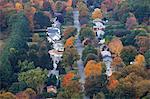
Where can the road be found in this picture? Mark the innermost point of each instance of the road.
(80, 48)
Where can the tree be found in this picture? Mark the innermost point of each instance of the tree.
(91, 56)
(70, 56)
(30, 92)
(25, 65)
(97, 13)
(128, 53)
(93, 68)
(131, 22)
(72, 91)
(7, 95)
(116, 46)
(140, 9)
(143, 43)
(18, 6)
(112, 84)
(69, 42)
(17, 87)
(67, 79)
(139, 59)
(94, 85)
(44, 59)
(89, 49)
(35, 37)
(70, 31)
(86, 32)
(69, 3)
(83, 9)
(147, 58)
(34, 78)
(59, 7)
(130, 38)
(41, 20)
(16, 40)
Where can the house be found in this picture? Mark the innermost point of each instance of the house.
(53, 34)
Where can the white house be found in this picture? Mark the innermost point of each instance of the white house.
(53, 34)
(107, 59)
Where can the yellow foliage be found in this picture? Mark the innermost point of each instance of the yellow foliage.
(139, 59)
(7, 95)
(92, 68)
(97, 13)
(18, 6)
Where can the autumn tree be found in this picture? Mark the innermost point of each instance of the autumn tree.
(7, 95)
(115, 46)
(131, 80)
(131, 22)
(18, 6)
(93, 68)
(35, 37)
(113, 83)
(69, 42)
(67, 79)
(70, 31)
(97, 13)
(71, 87)
(139, 59)
(83, 9)
(34, 78)
(143, 43)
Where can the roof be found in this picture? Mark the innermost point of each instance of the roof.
(55, 52)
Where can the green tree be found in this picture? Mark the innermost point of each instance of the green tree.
(34, 78)
(70, 56)
(88, 50)
(128, 54)
(94, 85)
(17, 87)
(89, 57)
(25, 65)
(19, 27)
(86, 32)
(147, 58)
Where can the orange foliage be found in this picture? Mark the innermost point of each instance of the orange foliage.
(69, 42)
(113, 83)
(116, 46)
(18, 6)
(68, 79)
(92, 68)
(30, 11)
(131, 22)
(97, 13)
(143, 43)
(83, 9)
(139, 59)
(116, 61)
(69, 3)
